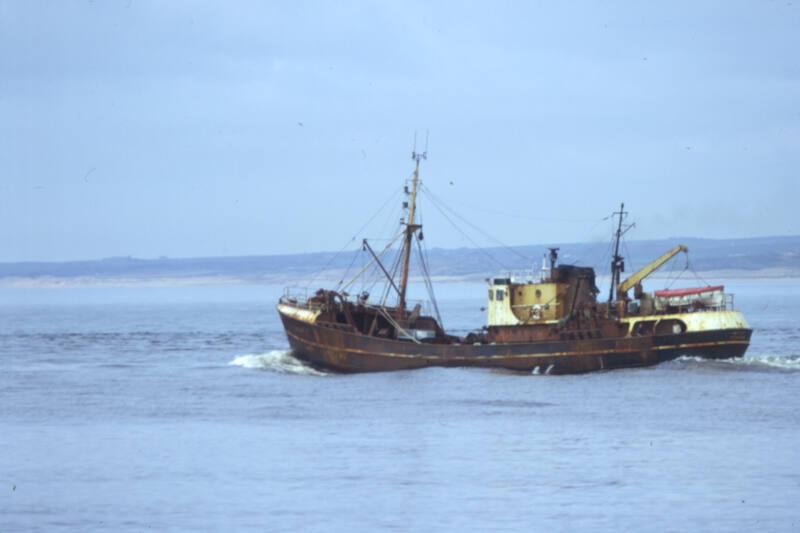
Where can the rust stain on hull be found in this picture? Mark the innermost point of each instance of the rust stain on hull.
(343, 351)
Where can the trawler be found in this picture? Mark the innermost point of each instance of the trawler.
(552, 323)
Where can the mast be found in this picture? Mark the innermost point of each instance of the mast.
(411, 228)
(617, 264)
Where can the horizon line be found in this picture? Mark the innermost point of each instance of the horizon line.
(355, 249)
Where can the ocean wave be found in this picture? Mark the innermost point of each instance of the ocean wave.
(277, 361)
(753, 362)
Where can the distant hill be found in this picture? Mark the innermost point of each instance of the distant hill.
(778, 255)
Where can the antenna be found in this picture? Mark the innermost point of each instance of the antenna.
(416, 156)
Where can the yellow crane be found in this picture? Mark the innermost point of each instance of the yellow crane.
(636, 279)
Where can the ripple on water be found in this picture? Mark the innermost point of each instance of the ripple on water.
(754, 363)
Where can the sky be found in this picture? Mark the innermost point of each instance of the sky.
(180, 129)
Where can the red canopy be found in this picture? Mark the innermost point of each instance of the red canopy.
(688, 292)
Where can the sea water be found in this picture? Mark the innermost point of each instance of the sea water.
(181, 409)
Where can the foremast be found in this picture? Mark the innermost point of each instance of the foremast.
(410, 231)
(617, 262)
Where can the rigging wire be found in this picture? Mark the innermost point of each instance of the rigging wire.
(466, 236)
(436, 199)
(680, 274)
(606, 257)
(696, 275)
(592, 261)
(392, 274)
(670, 281)
(356, 255)
(427, 278)
(628, 254)
(370, 264)
(371, 275)
(525, 217)
(375, 275)
(355, 236)
(580, 260)
(422, 247)
(608, 253)
(388, 227)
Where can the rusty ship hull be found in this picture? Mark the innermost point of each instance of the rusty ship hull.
(333, 347)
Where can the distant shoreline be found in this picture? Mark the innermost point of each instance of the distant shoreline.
(324, 279)
(761, 257)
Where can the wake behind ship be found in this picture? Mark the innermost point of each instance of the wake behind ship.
(548, 322)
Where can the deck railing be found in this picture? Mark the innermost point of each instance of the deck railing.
(523, 276)
(294, 295)
(300, 295)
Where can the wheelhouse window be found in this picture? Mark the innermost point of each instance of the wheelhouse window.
(499, 295)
